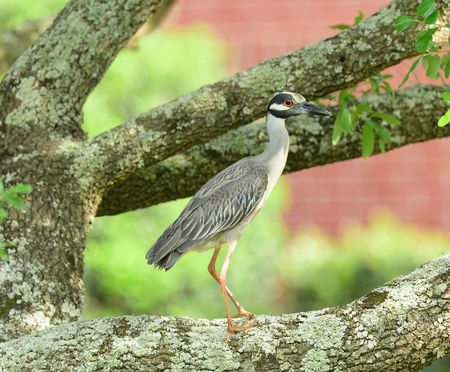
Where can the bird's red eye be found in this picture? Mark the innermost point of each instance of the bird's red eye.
(288, 103)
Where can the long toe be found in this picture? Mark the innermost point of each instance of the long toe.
(232, 328)
(244, 327)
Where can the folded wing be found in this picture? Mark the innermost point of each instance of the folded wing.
(223, 203)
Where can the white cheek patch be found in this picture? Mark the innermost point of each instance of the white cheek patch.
(278, 107)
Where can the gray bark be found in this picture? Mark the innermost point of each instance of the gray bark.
(42, 144)
(401, 326)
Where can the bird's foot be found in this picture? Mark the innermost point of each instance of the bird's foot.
(232, 328)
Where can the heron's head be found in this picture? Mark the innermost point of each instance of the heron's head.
(286, 104)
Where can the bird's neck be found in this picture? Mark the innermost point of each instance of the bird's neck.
(275, 155)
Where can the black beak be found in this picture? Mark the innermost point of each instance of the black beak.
(311, 109)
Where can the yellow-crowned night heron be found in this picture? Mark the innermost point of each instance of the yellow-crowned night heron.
(223, 208)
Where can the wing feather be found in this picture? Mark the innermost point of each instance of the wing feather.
(224, 202)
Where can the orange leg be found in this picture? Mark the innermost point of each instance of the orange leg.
(221, 279)
(212, 271)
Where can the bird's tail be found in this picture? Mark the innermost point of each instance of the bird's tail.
(163, 254)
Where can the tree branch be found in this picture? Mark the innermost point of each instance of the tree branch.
(315, 71)
(15, 40)
(52, 79)
(418, 108)
(401, 326)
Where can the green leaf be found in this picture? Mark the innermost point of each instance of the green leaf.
(3, 254)
(432, 18)
(404, 22)
(444, 119)
(359, 18)
(15, 201)
(2, 187)
(368, 140)
(340, 27)
(446, 97)
(434, 62)
(426, 40)
(374, 83)
(3, 214)
(380, 130)
(387, 118)
(342, 97)
(419, 35)
(387, 76)
(354, 116)
(414, 65)
(387, 87)
(20, 189)
(363, 106)
(426, 8)
(381, 145)
(337, 129)
(346, 120)
(447, 70)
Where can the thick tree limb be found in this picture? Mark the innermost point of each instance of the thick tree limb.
(15, 40)
(401, 326)
(52, 79)
(418, 108)
(315, 71)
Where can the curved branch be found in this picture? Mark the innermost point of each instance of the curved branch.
(401, 326)
(15, 40)
(315, 71)
(50, 82)
(418, 108)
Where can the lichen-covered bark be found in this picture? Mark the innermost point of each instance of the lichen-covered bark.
(315, 71)
(40, 114)
(15, 40)
(401, 326)
(418, 108)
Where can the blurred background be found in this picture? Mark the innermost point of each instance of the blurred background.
(326, 236)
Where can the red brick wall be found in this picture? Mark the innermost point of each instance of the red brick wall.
(411, 182)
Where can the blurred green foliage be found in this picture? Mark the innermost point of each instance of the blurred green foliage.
(166, 64)
(16, 11)
(318, 271)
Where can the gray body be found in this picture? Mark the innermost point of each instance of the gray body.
(223, 208)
